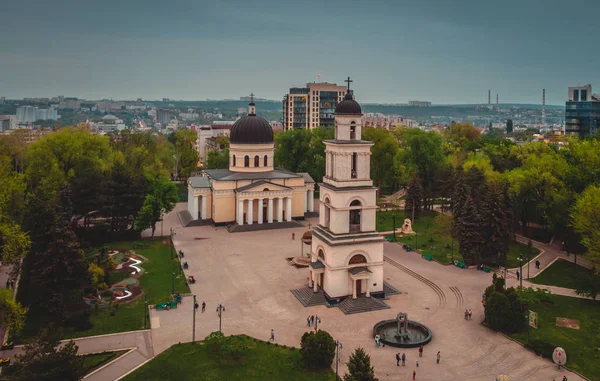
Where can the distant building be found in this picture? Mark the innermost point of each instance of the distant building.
(311, 106)
(8, 122)
(419, 103)
(2, 100)
(385, 121)
(208, 132)
(582, 112)
(109, 123)
(164, 116)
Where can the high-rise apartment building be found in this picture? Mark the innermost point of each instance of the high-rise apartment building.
(164, 117)
(311, 106)
(582, 112)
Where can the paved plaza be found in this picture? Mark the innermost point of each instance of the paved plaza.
(248, 273)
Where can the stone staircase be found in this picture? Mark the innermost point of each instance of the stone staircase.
(308, 298)
(361, 304)
(185, 217)
(388, 289)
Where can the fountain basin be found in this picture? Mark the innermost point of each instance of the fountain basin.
(418, 334)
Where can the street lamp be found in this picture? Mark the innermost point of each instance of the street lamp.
(172, 244)
(338, 346)
(317, 320)
(394, 219)
(194, 322)
(520, 259)
(220, 310)
(453, 249)
(417, 235)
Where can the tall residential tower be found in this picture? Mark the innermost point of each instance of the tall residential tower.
(311, 106)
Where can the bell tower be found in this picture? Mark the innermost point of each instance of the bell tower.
(346, 247)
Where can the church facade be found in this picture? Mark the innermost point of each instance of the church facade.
(251, 190)
(347, 251)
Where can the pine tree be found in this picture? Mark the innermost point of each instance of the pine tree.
(359, 367)
(470, 239)
(496, 226)
(414, 197)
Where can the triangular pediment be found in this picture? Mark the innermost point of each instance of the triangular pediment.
(260, 186)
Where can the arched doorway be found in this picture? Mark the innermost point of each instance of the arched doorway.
(355, 217)
(358, 259)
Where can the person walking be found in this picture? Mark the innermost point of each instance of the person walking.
(438, 357)
(470, 314)
(421, 350)
(308, 321)
(196, 305)
(518, 274)
(403, 359)
(397, 359)
(272, 335)
(414, 375)
(537, 264)
(466, 314)
(312, 320)
(417, 363)
(293, 236)
(203, 306)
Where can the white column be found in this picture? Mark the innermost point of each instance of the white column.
(195, 207)
(249, 212)
(305, 202)
(310, 278)
(367, 281)
(240, 216)
(315, 287)
(203, 208)
(279, 209)
(260, 211)
(270, 211)
(311, 200)
(288, 209)
(353, 289)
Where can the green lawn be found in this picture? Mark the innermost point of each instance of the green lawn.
(581, 345)
(562, 274)
(435, 240)
(515, 249)
(96, 360)
(260, 361)
(156, 283)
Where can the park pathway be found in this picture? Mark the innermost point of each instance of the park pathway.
(138, 342)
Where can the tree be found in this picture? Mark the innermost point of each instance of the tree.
(58, 273)
(317, 349)
(46, 359)
(383, 153)
(589, 286)
(585, 221)
(470, 238)
(359, 367)
(217, 159)
(14, 313)
(185, 142)
(504, 309)
(497, 224)
(414, 197)
(464, 135)
(161, 198)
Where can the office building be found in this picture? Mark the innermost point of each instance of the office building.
(582, 112)
(311, 106)
(8, 122)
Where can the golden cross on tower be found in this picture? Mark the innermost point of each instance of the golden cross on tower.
(348, 81)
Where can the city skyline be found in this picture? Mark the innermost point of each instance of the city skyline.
(395, 51)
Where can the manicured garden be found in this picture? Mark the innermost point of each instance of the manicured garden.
(562, 274)
(580, 344)
(156, 284)
(258, 360)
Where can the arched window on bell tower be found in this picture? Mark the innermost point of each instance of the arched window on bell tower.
(355, 217)
(353, 173)
(353, 130)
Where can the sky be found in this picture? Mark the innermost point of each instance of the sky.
(443, 51)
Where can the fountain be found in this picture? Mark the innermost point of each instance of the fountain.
(402, 333)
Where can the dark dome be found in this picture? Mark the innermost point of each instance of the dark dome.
(348, 106)
(251, 129)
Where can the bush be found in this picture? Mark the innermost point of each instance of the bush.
(317, 350)
(79, 322)
(541, 348)
(504, 309)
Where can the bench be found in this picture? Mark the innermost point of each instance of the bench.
(487, 269)
(428, 257)
(389, 238)
(166, 306)
(461, 265)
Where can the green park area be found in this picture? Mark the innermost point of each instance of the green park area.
(256, 360)
(94, 361)
(562, 274)
(155, 283)
(434, 236)
(579, 336)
